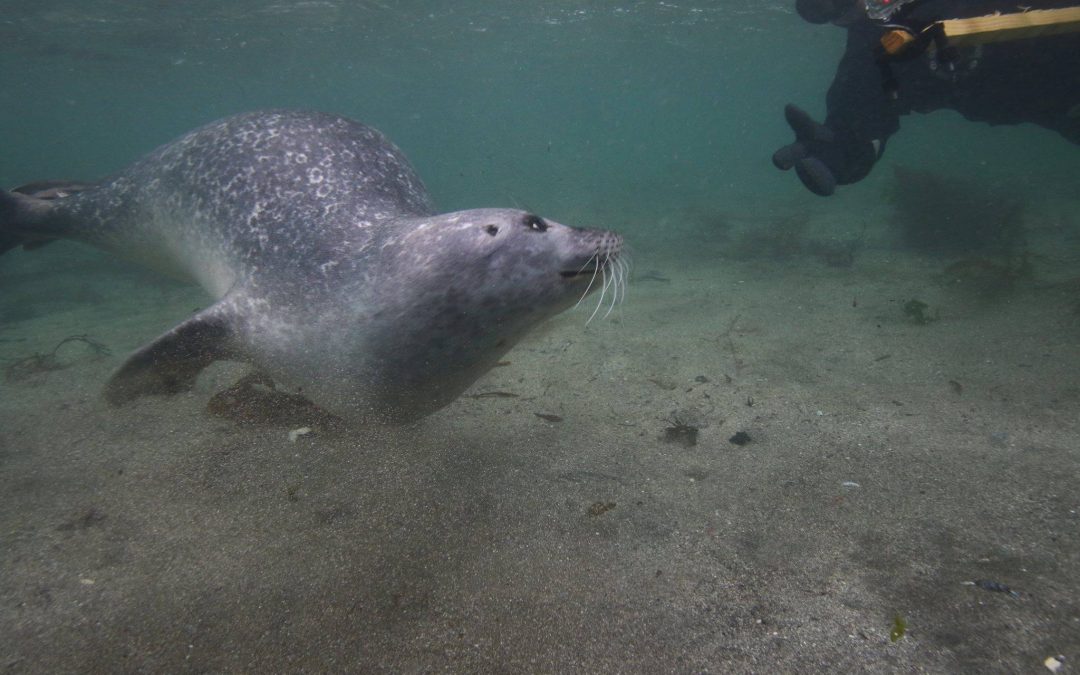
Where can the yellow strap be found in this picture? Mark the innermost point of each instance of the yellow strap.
(1003, 27)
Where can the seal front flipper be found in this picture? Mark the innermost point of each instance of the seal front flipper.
(27, 216)
(20, 216)
(170, 364)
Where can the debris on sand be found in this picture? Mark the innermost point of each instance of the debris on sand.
(899, 628)
(992, 586)
(680, 431)
(23, 369)
(297, 433)
(740, 438)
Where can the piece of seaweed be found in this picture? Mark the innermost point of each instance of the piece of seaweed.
(777, 238)
(918, 312)
(680, 431)
(26, 367)
(943, 214)
(899, 628)
(989, 277)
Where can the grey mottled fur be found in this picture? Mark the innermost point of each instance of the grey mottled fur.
(333, 273)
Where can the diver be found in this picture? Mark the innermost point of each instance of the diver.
(993, 61)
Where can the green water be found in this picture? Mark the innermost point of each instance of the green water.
(613, 112)
(892, 461)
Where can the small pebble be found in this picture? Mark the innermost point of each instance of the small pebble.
(297, 433)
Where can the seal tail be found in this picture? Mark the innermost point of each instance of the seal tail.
(25, 213)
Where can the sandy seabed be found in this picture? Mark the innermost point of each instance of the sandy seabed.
(564, 529)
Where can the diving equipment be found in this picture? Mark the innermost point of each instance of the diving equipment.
(882, 10)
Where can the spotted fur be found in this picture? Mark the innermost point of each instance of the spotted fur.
(331, 270)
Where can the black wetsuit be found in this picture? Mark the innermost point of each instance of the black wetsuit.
(1034, 80)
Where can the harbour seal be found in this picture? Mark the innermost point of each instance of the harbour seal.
(331, 271)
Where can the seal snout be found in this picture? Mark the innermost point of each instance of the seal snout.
(605, 267)
(610, 245)
(597, 250)
(606, 249)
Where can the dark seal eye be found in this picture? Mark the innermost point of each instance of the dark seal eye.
(535, 223)
(491, 229)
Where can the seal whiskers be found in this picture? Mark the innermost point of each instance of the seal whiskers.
(613, 273)
(619, 273)
(592, 278)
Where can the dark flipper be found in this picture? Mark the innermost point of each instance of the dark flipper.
(26, 208)
(170, 364)
(15, 209)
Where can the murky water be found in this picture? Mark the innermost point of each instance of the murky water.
(897, 452)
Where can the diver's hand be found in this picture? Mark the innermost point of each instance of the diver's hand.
(809, 153)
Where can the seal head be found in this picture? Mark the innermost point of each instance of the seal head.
(463, 289)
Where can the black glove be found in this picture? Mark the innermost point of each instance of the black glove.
(822, 157)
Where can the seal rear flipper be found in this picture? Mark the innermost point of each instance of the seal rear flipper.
(170, 364)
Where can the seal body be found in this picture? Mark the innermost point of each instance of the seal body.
(331, 270)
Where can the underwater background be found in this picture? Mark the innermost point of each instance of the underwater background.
(479, 541)
(626, 111)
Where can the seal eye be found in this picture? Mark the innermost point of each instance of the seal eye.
(535, 223)
(491, 229)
